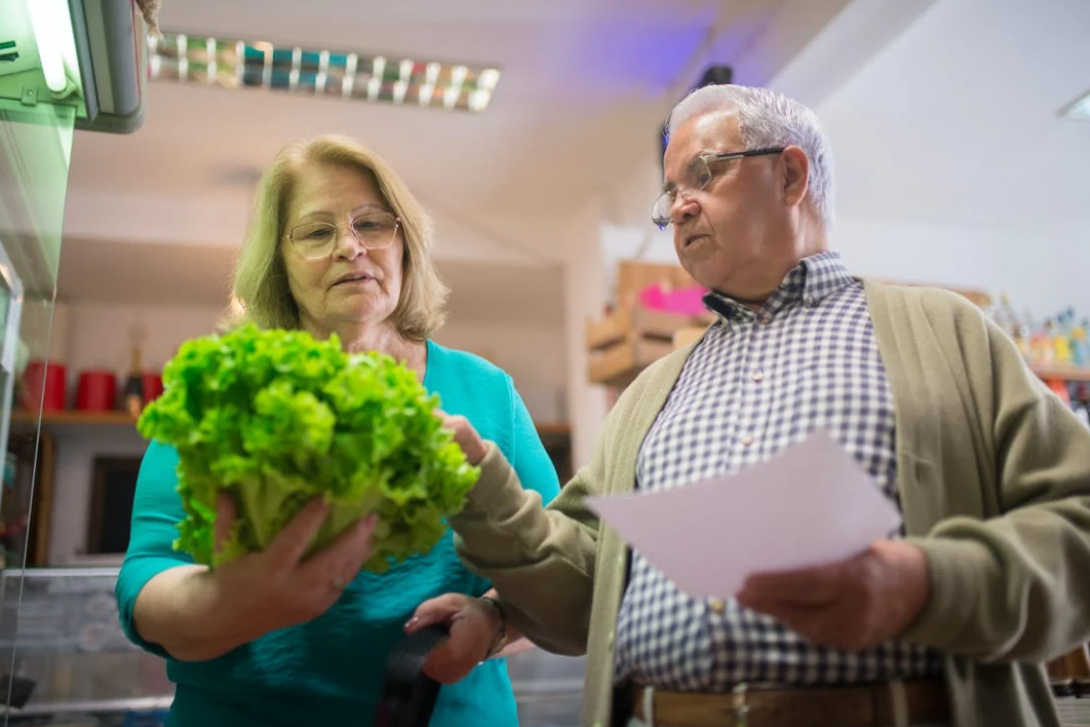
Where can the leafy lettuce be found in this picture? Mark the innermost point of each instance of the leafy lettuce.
(276, 418)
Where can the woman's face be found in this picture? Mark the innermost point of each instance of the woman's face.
(351, 286)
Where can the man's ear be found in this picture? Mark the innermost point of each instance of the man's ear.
(796, 175)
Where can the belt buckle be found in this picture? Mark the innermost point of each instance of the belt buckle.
(741, 709)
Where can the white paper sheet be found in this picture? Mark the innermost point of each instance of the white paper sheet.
(812, 504)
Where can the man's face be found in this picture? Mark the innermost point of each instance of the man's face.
(722, 232)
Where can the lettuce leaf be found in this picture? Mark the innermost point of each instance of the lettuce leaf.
(276, 418)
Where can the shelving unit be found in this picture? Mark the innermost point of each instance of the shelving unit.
(1066, 373)
(82, 418)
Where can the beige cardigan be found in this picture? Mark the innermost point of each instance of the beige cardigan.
(994, 476)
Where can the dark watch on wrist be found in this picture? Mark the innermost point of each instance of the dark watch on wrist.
(501, 635)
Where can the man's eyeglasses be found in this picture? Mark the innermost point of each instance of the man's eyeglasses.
(697, 175)
(316, 240)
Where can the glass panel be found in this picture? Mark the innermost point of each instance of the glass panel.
(36, 134)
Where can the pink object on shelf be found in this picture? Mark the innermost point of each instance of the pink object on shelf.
(684, 301)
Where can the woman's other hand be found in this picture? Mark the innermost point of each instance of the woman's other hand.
(276, 588)
(474, 627)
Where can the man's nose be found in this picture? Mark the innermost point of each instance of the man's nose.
(683, 209)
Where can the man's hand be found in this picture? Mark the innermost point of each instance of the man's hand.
(852, 605)
(465, 435)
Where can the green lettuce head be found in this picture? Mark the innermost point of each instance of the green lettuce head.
(276, 418)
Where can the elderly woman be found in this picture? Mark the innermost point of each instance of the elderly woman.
(338, 245)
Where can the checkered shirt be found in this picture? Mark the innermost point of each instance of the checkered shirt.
(758, 383)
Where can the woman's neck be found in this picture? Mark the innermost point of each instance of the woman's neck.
(381, 338)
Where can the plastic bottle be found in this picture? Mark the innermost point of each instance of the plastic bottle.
(1080, 353)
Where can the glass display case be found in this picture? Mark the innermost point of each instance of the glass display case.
(71, 659)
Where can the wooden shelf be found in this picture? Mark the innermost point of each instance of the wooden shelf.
(1068, 373)
(83, 418)
(553, 428)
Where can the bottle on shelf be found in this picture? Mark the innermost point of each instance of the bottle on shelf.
(1061, 343)
(1042, 351)
(132, 394)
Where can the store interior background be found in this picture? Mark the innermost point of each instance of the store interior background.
(953, 166)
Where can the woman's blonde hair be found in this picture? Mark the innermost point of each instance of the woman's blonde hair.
(260, 290)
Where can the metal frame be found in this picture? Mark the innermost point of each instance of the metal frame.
(10, 346)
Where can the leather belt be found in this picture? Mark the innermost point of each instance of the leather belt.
(921, 701)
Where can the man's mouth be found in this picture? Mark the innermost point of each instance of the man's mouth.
(694, 238)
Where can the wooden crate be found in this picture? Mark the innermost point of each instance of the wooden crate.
(619, 364)
(626, 341)
(635, 319)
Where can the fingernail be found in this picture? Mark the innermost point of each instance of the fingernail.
(411, 622)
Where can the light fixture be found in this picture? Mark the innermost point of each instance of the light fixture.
(1078, 109)
(236, 64)
(55, 40)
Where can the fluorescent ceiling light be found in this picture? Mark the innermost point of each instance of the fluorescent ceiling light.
(235, 64)
(55, 40)
(1078, 109)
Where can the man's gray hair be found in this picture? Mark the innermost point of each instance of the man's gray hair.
(767, 118)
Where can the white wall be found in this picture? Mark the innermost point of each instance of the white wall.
(76, 449)
(585, 293)
(1041, 271)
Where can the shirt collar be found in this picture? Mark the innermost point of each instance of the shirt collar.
(813, 280)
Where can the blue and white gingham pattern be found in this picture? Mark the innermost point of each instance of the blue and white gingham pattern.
(758, 383)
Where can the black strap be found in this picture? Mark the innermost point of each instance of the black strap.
(408, 694)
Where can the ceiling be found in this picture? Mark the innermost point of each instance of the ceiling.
(583, 88)
(955, 122)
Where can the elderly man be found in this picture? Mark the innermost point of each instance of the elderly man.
(947, 624)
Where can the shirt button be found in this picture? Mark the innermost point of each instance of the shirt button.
(717, 606)
(758, 376)
(609, 641)
(810, 301)
(747, 440)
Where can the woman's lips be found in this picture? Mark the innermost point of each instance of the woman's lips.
(354, 280)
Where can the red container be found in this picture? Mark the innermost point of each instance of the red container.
(96, 391)
(153, 387)
(44, 386)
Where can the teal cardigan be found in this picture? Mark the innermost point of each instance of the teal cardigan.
(329, 671)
